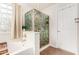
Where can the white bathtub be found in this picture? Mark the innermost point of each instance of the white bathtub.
(18, 47)
(23, 47)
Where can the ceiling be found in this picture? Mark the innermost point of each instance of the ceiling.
(38, 6)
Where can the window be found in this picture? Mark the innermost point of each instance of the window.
(5, 17)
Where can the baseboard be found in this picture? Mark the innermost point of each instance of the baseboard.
(44, 47)
(53, 46)
(75, 53)
(64, 50)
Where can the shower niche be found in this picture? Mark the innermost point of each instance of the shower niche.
(38, 22)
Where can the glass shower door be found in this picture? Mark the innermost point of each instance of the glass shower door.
(41, 22)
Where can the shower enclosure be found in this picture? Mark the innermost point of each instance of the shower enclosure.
(38, 22)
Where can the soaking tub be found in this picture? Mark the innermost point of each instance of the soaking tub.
(23, 47)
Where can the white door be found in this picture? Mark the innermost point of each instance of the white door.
(59, 31)
(67, 29)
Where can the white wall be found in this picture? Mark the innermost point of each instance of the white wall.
(52, 12)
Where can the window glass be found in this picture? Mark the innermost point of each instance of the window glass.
(5, 17)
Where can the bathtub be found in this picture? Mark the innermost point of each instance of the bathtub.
(21, 48)
(18, 48)
(26, 47)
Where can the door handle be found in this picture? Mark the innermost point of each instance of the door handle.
(76, 20)
(58, 31)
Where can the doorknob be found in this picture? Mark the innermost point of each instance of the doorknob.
(76, 20)
(58, 31)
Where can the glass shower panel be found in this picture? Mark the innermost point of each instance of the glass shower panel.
(28, 21)
(37, 21)
(41, 24)
(44, 34)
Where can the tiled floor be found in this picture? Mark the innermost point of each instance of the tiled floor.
(55, 51)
